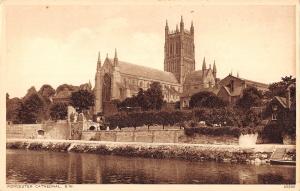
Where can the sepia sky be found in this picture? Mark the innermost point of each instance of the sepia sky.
(56, 44)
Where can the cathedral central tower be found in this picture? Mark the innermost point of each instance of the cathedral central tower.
(179, 51)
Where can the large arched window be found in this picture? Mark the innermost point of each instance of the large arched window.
(106, 91)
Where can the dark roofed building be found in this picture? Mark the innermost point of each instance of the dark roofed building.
(64, 92)
(282, 105)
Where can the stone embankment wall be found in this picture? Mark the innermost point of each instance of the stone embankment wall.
(257, 154)
(157, 136)
(50, 130)
(65, 131)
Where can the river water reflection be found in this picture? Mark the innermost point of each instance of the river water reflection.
(25, 166)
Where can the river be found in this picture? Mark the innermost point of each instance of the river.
(24, 166)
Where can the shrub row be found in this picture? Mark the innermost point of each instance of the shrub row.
(224, 116)
(136, 119)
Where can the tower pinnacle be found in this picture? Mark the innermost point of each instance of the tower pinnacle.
(192, 28)
(181, 24)
(116, 62)
(116, 56)
(99, 61)
(215, 69)
(166, 28)
(203, 64)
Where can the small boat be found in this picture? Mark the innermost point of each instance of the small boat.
(282, 162)
(280, 157)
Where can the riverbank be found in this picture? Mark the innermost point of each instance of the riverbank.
(254, 154)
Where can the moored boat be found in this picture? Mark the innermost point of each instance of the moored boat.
(283, 162)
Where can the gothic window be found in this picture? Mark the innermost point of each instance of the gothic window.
(106, 91)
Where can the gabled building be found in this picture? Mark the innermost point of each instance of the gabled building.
(231, 87)
(282, 105)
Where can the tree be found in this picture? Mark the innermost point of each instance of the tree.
(251, 97)
(12, 109)
(46, 91)
(82, 100)
(142, 100)
(129, 102)
(58, 111)
(206, 99)
(154, 96)
(279, 88)
(151, 99)
(30, 109)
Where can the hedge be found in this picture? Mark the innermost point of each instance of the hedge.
(224, 116)
(136, 119)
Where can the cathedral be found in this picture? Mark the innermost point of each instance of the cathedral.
(117, 80)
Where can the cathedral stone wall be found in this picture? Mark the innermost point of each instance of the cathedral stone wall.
(118, 80)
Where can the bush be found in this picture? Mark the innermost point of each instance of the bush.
(206, 99)
(58, 111)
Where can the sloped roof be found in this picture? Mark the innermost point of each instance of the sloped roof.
(282, 101)
(249, 82)
(146, 72)
(65, 93)
(236, 92)
(195, 76)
